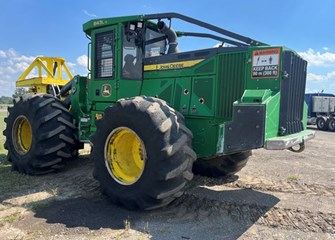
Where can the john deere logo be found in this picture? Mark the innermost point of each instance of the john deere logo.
(106, 90)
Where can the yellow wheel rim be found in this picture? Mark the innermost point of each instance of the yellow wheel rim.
(22, 135)
(125, 156)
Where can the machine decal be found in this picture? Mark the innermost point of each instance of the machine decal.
(106, 90)
(265, 63)
(172, 65)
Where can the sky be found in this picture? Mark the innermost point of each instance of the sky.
(31, 28)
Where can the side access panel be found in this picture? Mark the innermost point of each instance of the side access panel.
(202, 97)
(161, 88)
(183, 94)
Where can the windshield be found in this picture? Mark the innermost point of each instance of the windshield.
(155, 43)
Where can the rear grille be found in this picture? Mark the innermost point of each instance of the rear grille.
(292, 93)
(231, 82)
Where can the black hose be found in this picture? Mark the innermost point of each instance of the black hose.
(65, 90)
(171, 36)
(67, 102)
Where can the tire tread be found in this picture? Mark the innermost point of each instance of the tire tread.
(173, 149)
(53, 132)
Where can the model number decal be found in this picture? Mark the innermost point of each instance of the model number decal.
(99, 22)
(265, 63)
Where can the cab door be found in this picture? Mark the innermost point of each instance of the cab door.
(131, 64)
(103, 87)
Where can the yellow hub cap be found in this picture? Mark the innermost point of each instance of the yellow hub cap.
(22, 135)
(125, 155)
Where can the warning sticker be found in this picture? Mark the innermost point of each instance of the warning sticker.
(265, 63)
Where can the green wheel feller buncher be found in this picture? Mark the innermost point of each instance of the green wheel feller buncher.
(153, 113)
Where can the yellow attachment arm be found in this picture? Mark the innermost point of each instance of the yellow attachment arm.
(50, 71)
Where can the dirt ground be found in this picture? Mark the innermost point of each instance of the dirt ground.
(278, 195)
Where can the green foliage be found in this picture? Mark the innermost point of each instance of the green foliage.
(6, 100)
(19, 92)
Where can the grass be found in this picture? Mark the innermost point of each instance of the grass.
(293, 178)
(9, 219)
(10, 181)
(126, 224)
(2, 127)
(35, 206)
(13, 183)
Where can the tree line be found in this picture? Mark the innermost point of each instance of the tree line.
(9, 100)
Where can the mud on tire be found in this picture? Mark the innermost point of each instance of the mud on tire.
(39, 134)
(168, 157)
(221, 166)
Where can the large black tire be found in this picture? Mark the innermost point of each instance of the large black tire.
(321, 123)
(39, 134)
(331, 124)
(165, 152)
(221, 166)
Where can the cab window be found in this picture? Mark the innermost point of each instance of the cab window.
(155, 43)
(132, 67)
(104, 54)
